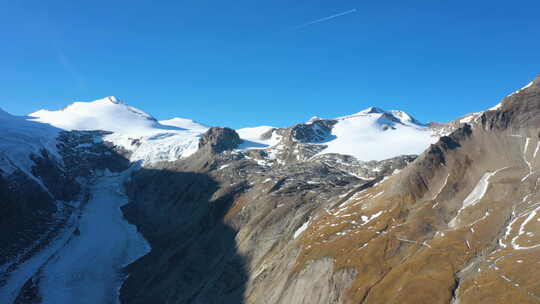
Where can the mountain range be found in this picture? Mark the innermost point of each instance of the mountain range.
(103, 203)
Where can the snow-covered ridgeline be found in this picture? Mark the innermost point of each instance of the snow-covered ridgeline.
(147, 139)
(523, 88)
(371, 135)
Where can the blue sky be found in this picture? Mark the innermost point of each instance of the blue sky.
(246, 63)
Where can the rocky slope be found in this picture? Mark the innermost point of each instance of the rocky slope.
(456, 225)
(52, 165)
(295, 215)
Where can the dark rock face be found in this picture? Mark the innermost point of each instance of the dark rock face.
(315, 132)
(83, 152)
(26, 211)
(391, 118)
(193, 257)
(29, 204)
(60, 183)
(218, 139)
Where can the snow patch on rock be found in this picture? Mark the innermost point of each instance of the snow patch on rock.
(301, 229)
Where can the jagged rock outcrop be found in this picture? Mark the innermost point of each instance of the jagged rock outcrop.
(217, 140)
(316, 131)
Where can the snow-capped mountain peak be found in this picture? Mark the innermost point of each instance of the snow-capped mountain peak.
(133, 129)
(376, 134)
(396, 116)
(371, 110)
(113, 99)
(371, 134)
(108, 114)
(312, 119)
(404, 117)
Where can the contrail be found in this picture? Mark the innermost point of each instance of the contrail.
(326, 18)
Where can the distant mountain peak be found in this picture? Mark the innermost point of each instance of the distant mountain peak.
(113, 99)
(312, 119)
(372, 110)
(393, 115)
(109, 114)
(405, 117)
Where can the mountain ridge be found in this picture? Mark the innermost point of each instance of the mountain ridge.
(274, 215)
